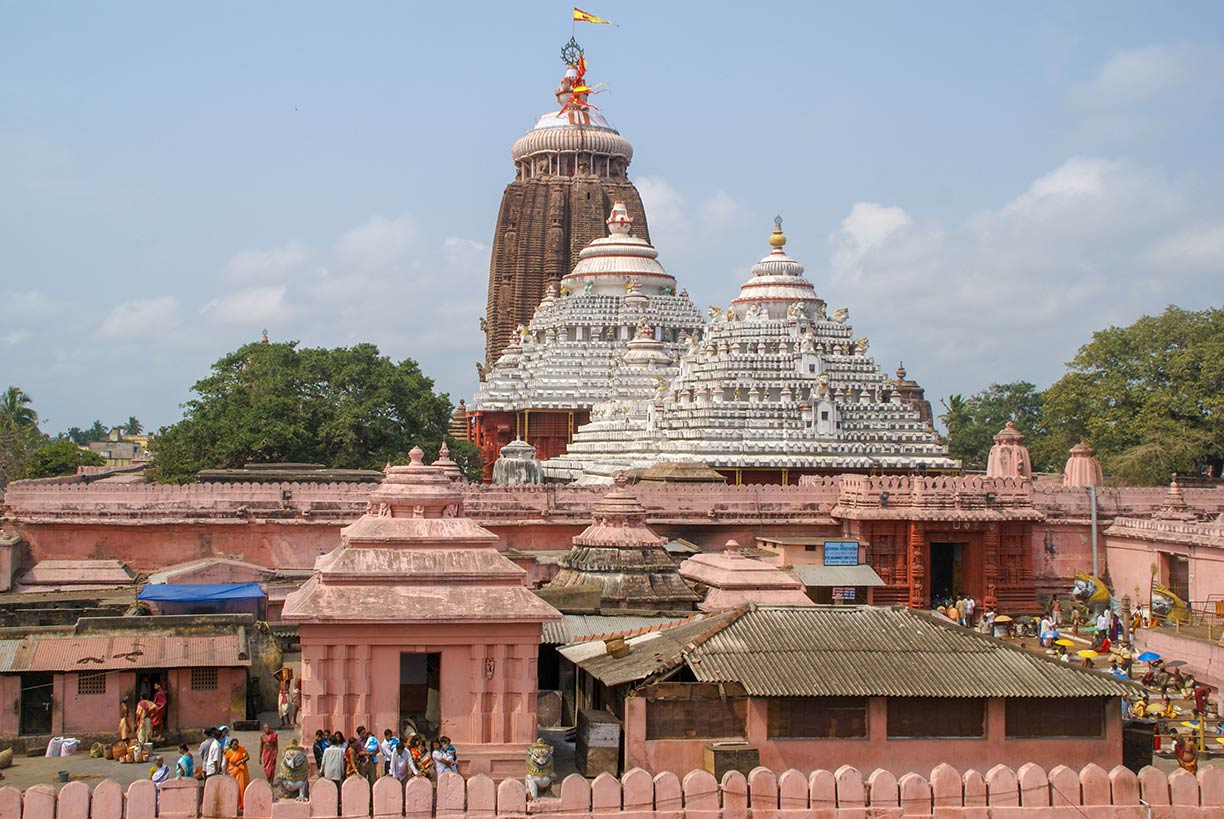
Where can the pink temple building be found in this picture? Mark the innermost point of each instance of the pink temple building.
(417, 616)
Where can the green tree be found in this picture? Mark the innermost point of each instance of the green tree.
(467, 456)
(1148, 397)
(19, 434)
(973, 422)
(347, 408)
(60, 458)
(132, 426)
(97, 432)
(15, 409)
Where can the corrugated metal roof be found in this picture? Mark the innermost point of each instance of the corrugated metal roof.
(893, 652)
(15, 655)
(838, 576)
(817, 651)
(649, 653)
(575, 627)
(135, 651)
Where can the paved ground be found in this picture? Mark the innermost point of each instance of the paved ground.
(27, 771)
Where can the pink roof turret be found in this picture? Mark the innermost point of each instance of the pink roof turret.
(733, 580)
(625, 558)
(1009, 457)
(1082, 468)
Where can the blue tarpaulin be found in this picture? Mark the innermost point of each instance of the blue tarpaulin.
(200, 592)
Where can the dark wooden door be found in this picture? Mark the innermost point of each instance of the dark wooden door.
(36, 703)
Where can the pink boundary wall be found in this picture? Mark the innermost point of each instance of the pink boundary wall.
(1061, 793)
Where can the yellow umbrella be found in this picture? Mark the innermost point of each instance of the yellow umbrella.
(1002, 618)
(1064, 642)
(1087, 652)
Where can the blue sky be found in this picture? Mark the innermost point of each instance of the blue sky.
(982, 184)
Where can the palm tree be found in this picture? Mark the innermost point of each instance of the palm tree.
(15, 409)
(133, 426)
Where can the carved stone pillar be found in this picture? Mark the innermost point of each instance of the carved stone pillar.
(990, 600)
(917, 567)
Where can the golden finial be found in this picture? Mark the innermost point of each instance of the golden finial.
(778, 239)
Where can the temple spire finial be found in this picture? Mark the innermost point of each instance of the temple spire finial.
(777, 239)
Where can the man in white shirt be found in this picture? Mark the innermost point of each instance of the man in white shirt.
(212, 762)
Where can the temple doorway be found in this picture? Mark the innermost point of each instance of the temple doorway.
(419, 684)
(947, 578)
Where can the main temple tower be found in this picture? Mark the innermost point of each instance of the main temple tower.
(569, 170)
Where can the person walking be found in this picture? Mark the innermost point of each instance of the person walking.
(236, 759)
(269, 746)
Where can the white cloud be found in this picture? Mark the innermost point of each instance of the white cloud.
(378, 243)
(251, 307)
(13, 338)
(1137, 75)
(1148, 91)
(140, 318)
(1011, 292)
(1196, 249)
(1075, 180)
(266, 265)
(667, 209)
(721, 210)
(26, 304)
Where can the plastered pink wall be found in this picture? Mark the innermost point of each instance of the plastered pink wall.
(1029, 792)
(899, 756)
(487, 687)
(73, 713)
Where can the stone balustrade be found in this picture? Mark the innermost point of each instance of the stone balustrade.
(1028, 793)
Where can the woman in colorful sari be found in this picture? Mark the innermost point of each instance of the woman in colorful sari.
(236, 759)
(269, 745)
(421, 759)
(352, 758)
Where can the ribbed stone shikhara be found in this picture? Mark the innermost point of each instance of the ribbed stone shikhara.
(611, 332)
(569, 169)
(774, 386)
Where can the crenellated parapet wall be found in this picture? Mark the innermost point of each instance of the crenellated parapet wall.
(969, 497)
(1071, 503)
(1030, 791)
(71, 500)
(76, 499)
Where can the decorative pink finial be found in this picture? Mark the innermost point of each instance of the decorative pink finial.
(620, 480)
(443, 451)
(732, 547)
(417, 456)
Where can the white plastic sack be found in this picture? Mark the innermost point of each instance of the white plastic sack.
(69, 746)
(53, 747)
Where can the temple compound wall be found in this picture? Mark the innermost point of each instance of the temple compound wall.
(288, 525)
(1029, 792)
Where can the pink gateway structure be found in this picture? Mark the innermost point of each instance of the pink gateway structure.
(416, 616)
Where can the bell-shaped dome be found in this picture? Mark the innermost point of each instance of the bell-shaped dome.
(616, 262)
(777, 280)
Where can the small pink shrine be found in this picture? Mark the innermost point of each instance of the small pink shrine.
(1009, 457)
(1082, 468)
(417, 616)
(734, 580)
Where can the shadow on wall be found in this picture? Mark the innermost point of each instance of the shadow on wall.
(639, 795)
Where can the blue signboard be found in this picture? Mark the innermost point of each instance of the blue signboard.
(841, 552)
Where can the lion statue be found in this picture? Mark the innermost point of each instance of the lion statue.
(292, 773)
(1093, 593)
(841, 314)
(1166, 605)
(540, 769)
